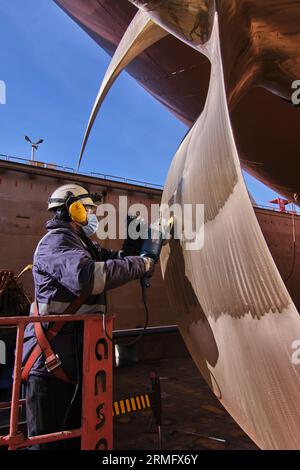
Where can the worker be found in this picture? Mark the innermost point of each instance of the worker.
(71, 275)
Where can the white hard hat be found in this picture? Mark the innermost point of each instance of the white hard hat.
(60, 195)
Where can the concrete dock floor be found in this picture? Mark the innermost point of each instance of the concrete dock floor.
(191, 413)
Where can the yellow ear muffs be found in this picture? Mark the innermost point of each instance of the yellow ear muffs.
(78, 212)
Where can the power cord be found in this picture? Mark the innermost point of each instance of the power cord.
(141, 334)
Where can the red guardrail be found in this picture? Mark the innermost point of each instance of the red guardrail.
(96, 430)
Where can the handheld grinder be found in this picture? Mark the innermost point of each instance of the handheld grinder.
(152, 245)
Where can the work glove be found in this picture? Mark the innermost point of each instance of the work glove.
(149, 266)
(133, 247)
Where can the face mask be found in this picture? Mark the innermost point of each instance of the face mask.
(92, 225)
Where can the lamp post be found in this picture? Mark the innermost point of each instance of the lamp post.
(34, 146)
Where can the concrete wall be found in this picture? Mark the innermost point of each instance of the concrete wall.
(24, 190)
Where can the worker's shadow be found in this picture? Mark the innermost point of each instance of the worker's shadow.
(189, 315)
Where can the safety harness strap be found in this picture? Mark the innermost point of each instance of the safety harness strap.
(52, 362)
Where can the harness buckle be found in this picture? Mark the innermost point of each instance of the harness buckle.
(52, 362)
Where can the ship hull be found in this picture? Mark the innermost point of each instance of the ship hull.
(265, 126)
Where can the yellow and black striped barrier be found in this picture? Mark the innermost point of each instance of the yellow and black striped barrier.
(141, 402)
(132, 404)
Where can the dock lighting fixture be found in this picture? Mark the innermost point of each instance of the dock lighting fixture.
(34, 146)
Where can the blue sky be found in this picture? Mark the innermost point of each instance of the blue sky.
(52, 70)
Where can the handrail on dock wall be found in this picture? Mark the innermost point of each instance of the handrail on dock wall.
(53, 166)
(295, 210)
